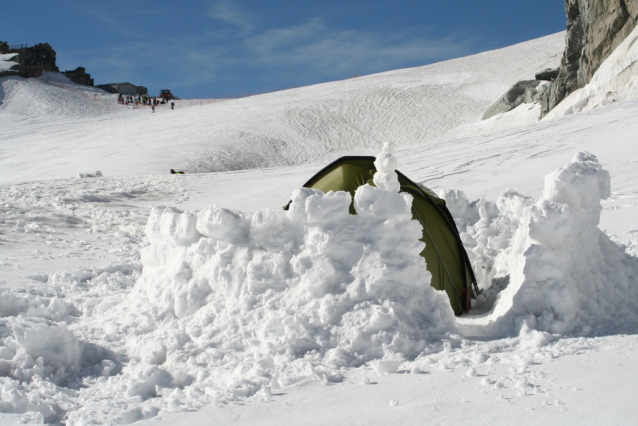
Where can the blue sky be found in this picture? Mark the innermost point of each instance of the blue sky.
(212, 48)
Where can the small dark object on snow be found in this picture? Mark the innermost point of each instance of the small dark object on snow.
(173, 172)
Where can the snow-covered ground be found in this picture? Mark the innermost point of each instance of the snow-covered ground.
(6, 61)
(133, 295)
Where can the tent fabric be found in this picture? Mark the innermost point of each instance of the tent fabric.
(445, 256)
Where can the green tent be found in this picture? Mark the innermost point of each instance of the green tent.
(444, 254)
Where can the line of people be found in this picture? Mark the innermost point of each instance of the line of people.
(129, 99)
(142, 100)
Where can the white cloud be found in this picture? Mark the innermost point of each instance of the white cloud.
(319, 49)
(229, 13)
(315, 49)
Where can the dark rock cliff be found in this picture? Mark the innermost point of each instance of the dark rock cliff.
(79, 76)
(38, 59)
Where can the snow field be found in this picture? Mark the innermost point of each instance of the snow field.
(309, 124)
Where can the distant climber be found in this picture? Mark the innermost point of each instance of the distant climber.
(153, 106)
(173, 172)
(172, 105)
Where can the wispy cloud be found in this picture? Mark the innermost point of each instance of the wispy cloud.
(246, 53)
(229, 13)
(319, 49)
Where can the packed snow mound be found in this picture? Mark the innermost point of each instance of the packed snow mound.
(53, 95)
(565, 275)
(614, 81)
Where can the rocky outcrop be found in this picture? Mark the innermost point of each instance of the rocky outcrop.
(594, 29)
(548, 74)
(523, 92)
(79, 76)
(38, 59)
(33, 61)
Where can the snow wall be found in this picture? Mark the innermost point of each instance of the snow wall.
(561, 273)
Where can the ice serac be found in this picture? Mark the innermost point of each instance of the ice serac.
(594, 29)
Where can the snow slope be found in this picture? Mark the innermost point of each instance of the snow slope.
(418, 105)
(145, 297)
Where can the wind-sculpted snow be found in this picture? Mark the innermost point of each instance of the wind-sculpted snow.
(565, 275)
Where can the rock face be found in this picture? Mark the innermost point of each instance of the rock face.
(594, 29)
(79, 76)
(37, 59)
(526, 91)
